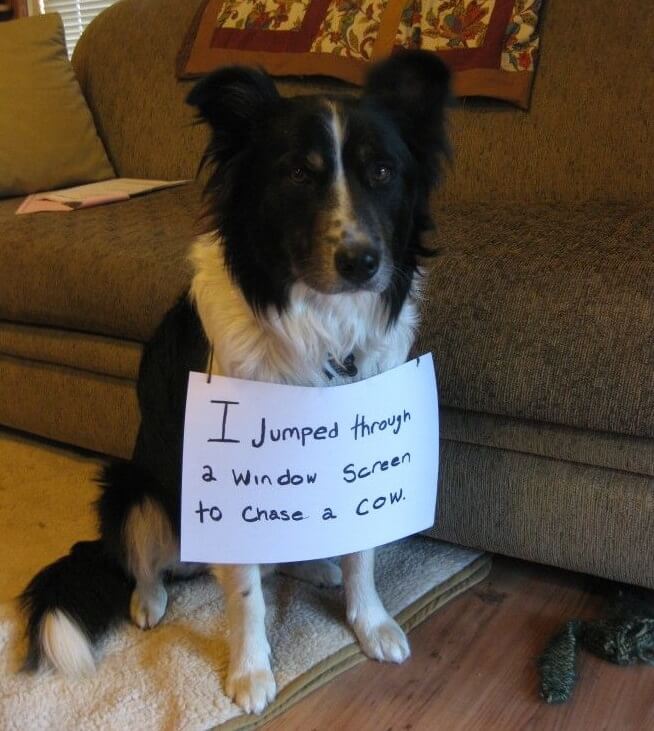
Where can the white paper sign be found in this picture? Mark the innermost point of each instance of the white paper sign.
(276, 473)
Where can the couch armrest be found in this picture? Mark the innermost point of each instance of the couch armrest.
(125, 62)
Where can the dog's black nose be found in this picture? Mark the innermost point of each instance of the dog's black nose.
(355, 263)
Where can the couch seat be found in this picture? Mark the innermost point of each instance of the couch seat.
(551, 319)
(110, 270)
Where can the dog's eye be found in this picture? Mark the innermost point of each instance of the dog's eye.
(299, 175)
(380, 173)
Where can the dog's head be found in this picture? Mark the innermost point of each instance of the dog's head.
(328, 190)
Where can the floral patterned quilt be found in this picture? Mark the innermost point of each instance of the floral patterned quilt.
(490, 45)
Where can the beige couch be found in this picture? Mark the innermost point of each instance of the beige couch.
(539, 310)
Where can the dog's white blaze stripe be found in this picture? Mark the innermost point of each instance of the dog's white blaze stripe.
(65, 645)
(344, 206)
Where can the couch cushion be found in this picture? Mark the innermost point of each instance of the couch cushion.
(111, 270)
(83, 351)
(546, 313)
(78, 407)
(552, 441)
(583, 518)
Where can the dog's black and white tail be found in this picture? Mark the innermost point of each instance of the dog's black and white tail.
(70, 604)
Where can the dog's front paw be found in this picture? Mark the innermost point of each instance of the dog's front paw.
(147, 608)
(383, 640)
(253, 690)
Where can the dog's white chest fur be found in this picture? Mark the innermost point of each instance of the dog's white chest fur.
(295, 347)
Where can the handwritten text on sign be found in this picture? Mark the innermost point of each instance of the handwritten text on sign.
(276, 473)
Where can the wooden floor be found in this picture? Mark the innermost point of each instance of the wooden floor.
(473, 667)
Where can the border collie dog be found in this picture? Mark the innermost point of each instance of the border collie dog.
(307, 275)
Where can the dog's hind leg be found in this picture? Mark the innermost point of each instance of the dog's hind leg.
(150, 549)
(320, 572)
(250, 681)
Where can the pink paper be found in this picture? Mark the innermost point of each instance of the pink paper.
(113, 190)
(35, 204)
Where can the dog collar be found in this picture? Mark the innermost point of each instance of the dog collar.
(345, 369)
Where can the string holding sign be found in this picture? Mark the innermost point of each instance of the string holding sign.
(275, 473)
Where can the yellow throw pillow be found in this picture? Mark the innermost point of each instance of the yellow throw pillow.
(47, 135)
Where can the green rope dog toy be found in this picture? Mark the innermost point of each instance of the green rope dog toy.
(624, 637)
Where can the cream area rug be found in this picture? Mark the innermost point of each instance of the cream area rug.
(171, 677)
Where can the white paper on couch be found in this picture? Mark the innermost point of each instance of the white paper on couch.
(274, 473)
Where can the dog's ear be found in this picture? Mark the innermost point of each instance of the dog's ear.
(233, 101)
(414, 87)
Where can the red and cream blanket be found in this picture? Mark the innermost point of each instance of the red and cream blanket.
(490, 45)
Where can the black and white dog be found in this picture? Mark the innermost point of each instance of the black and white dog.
(308, 275)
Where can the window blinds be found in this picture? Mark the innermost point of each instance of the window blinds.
(76, 14)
